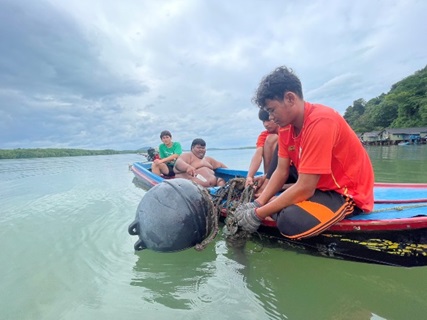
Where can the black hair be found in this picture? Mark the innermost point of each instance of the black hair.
(199, 142)
(274, 86)
(165, 133)
(263, 115)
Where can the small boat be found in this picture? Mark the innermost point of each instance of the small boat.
(395, 233)
(145, 179)
(403, 143)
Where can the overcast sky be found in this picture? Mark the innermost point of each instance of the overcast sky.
(98, 74)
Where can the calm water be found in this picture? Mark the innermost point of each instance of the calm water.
(66, 254)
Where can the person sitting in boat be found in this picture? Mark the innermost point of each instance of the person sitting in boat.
(263, 181)
(195, 166)
(267, 151)
(265, 146)
(335, 174)
(169, 151)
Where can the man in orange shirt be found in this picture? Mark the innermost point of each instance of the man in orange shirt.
(266, 152)
(265, 146)
(335, 174)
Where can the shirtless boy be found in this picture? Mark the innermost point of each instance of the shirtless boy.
(197, 167)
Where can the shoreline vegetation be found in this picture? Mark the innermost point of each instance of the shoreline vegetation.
(404, 106)
(54, 152)
(65, 152)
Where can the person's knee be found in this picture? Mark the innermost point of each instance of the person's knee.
(270, 143)
(268, 150)
(309, 218)
(271, 139)
(155, 168)
(293, 222)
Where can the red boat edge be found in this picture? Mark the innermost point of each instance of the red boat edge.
(395, 234)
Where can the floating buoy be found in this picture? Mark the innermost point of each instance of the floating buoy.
(174, 215)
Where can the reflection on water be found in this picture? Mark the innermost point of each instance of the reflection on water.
(409, 152)
(399, 163)
(170, 281)
(213, 282)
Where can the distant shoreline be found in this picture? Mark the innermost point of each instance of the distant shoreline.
(67, 152)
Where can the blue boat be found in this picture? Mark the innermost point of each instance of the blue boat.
(395, 233)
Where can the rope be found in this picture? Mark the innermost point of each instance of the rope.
(400, 208)
(214, 218)
(235, 194)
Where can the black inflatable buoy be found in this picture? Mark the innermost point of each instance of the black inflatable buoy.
(172, 216)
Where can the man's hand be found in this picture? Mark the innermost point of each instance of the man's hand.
(249, 181)
(249, 220)
(191, 171)
(246, 217)
(243, 207)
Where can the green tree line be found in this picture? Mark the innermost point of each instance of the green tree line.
(55, 152)
(404, 106)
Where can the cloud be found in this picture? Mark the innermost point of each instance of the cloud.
(107, 74)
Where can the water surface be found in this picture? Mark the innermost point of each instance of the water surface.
(66, 254)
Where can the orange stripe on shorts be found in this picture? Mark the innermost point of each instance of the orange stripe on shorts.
(325, 215)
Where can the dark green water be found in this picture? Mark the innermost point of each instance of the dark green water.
(399, 163)
(66, 254)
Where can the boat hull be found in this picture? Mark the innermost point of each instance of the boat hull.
(394, 234)
(404, 248)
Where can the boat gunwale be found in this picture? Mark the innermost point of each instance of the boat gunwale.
(396, 224)
(346, 225)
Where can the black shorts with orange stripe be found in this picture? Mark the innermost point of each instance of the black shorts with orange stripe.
(315, 215)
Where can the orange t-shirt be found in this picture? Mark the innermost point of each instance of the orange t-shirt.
(261, 138)
(328, 146)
